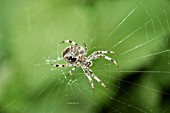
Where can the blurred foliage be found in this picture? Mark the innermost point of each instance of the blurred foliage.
(30, 31)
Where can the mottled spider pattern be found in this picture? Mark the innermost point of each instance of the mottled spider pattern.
(75, 56)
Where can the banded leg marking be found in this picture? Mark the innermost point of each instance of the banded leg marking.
(102, 52)
(86, 49)
(97, 79)
(69, 41)
(90, 80)
(70, 72)
(107, 58)
(88, 76)
(59, 65)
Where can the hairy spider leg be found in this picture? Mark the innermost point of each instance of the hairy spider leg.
(90, 79)
(69, 41)
(60, 65)
(102, 52)
(70, 72)
(107, 58)
(85, 47)
(96, 78)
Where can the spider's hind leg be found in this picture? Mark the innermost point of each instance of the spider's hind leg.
(97, 79)
(90, 80)
(90, 74)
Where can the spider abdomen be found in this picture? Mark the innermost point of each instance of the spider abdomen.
(74, 54)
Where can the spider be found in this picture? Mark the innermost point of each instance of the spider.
(75, 56)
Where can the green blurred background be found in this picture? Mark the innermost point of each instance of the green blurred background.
(30, 32)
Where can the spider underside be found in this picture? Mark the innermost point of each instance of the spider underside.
(75, 56)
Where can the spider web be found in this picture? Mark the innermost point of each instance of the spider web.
(141, 85)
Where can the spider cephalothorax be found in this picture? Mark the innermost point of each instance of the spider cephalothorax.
(76, 56)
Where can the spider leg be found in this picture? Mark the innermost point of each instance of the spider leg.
(69, 41)
(97, 79)
(102, 52)
(60, 65)
(106, 57)
(85, 47)
(88, 76)
(70, 72)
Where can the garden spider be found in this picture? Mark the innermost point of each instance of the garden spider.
(76, 56)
